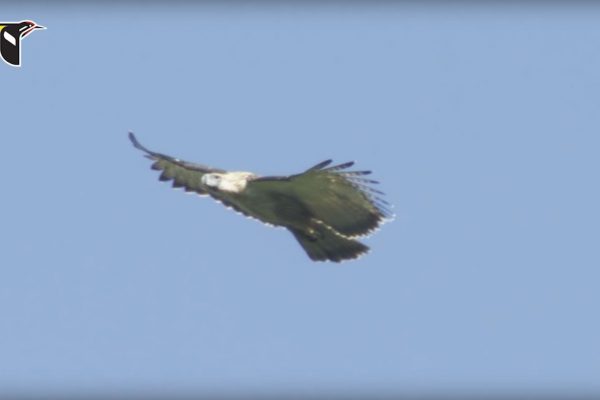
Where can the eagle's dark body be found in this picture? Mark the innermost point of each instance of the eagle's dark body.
(324, 207)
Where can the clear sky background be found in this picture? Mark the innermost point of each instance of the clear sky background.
(481, 121)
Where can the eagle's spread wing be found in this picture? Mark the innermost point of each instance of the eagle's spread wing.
(184, 174)
(341, 199)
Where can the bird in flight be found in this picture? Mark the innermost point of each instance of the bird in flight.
(325, 207)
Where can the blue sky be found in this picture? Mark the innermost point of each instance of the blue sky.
(481, 122)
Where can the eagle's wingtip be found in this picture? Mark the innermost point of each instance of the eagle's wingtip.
(320, 165)
(133, 139)
(137, 144)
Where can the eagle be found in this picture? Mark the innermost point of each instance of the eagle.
(325, 207)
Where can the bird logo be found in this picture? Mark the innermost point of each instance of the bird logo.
(11, 34)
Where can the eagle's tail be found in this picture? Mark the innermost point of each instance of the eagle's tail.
(327, 244)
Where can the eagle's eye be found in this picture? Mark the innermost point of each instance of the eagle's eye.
(212, 180)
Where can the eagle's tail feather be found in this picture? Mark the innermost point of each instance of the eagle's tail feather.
(329, 245)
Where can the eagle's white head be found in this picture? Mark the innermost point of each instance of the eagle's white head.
(233, 182)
